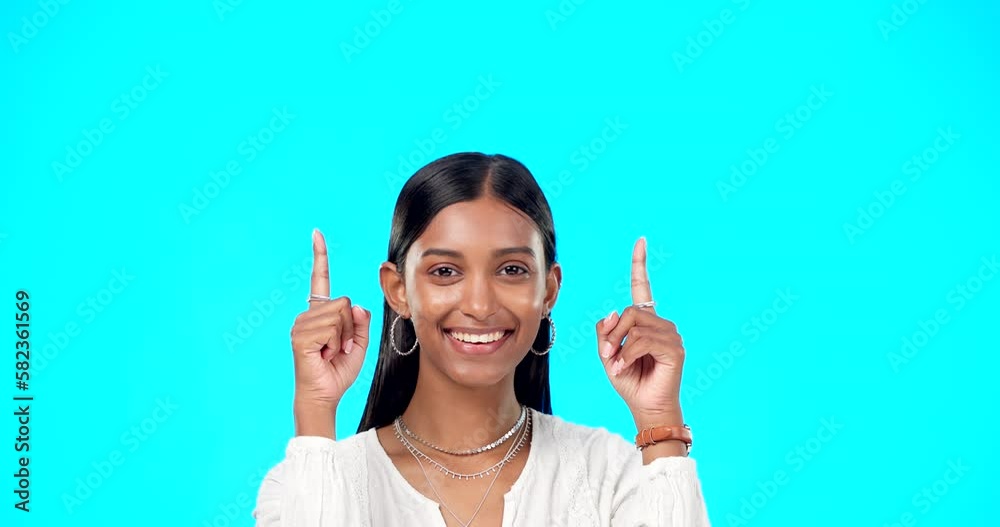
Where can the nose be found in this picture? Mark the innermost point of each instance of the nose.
(479, 298)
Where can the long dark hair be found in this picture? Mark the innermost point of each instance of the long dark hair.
(452, 179)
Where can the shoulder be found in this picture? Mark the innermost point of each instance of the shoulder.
(594, 444)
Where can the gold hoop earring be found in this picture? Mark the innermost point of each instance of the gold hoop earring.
(552, 337)
(392, 339)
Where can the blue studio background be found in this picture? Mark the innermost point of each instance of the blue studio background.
(817, 183)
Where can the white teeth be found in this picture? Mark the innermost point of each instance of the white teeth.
(477, 339)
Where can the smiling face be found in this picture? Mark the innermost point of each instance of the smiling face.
(476, 288)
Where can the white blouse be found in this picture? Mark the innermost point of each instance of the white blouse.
(575, 476)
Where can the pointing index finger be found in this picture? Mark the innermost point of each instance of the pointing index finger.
(321, 266)
(640, 279)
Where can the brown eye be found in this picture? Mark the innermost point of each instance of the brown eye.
(515, 268)
(448, 272)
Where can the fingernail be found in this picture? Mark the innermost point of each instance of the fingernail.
(617, 368)
(605, 349)
(349, 346)
(607, 319)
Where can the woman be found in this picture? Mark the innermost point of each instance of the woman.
(458, 429)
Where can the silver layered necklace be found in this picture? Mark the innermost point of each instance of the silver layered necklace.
(471, 452)
(511, 452)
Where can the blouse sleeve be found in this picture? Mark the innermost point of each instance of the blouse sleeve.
(664, 493)
(304, 489)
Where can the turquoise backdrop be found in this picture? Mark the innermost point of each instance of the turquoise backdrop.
(817, 182)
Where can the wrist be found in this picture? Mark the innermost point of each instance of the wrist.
(668, 416)
(314, 418)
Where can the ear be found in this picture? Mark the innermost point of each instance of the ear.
(394, 288)
(553, 281)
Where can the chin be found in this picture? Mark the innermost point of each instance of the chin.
(479, 375)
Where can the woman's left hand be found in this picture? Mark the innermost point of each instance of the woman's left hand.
(646, 369)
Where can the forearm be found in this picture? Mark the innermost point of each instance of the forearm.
(315, 419)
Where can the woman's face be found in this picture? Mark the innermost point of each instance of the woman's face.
(477, 273)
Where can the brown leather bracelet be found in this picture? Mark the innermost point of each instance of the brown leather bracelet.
(657, 434)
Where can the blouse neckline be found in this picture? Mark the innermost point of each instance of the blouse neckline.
(509, 497)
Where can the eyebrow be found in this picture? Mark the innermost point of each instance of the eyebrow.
(497, 253)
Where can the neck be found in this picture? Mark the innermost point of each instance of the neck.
(456, 417)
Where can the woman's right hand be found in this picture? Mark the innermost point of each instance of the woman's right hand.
(329, 341)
